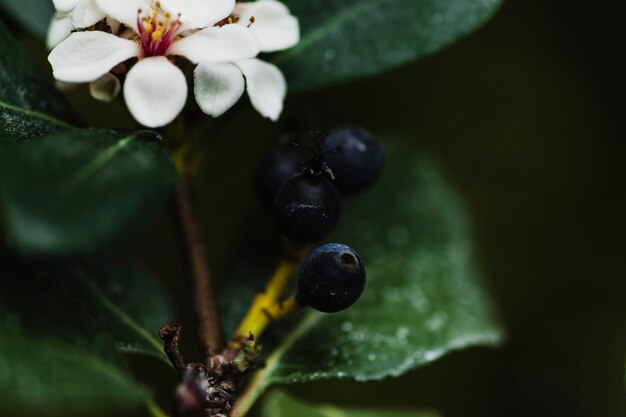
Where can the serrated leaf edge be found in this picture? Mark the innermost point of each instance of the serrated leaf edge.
(262, 379)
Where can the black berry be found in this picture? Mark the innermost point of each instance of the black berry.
(332, 278)
(274, 169)
(360, 161)
(307, 207)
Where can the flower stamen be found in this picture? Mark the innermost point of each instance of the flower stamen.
(157, 30)
(234, 19)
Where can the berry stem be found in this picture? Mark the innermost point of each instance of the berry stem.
(202, 285)
(274, 312)
(256, 319)
(282, 308)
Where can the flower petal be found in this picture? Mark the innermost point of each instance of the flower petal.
(217, 44)
(274, 26)
(125, 11)
(59, 30)
(87, 13)
(105, 88)
(266, 87)
(85, 56)
(65, 6)
(199, 14)
(217, 87)
(155, 91)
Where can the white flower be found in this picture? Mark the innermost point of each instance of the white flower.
(274, 26)
(79, 14)
(70, 15)
(155, 89)
(203, 31)
(219, 86)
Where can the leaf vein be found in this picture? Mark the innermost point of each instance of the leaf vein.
(36, 115)
(93, 166)
(126, 319)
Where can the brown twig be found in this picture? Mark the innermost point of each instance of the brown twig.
(170, 334)
(202, 285)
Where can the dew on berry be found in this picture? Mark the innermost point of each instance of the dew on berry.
(332, 278)
(307, 207)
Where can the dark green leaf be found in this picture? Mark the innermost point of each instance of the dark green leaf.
(77, 190)
(34, 15)
(29, 105)
(60, 328)
(424, 296)
(279, 404)
(52, 379)
(347, 39)
(73, 190)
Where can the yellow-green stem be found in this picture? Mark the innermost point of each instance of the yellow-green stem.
(256, 320)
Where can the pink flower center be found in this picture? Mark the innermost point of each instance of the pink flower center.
(157, 30)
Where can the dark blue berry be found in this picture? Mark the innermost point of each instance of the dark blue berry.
(307, 207)
(274, 169)
(332, 278)
(359, 162)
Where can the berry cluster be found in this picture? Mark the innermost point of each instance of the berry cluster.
(304, 195)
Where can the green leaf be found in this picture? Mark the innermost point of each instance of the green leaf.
(280, 404)
(47, 378)
(424, 297)
(75, 191)
(29, 105)
(132, 304)
(34, 15)
(347, 39)
(60, 328)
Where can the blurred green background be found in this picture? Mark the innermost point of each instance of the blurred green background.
(527, 117)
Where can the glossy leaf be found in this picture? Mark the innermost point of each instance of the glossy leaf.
(347, 39)
(424, 297)
(60, 328)
(279, 404)
(29, 105)
(73, 190)
(34, 15)
(78, 190)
